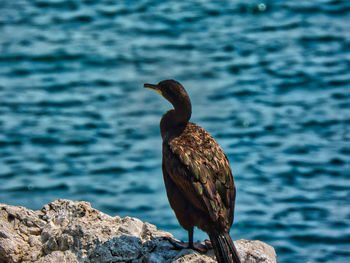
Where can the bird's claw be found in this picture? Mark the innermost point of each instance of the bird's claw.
(199, 246)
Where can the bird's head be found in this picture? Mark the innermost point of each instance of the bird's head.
(171, 90)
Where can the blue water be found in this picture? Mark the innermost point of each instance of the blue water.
(270, 80)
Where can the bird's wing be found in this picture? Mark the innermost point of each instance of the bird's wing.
(204, 174)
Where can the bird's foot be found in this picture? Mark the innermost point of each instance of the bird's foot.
(199, 246)
(202, 247)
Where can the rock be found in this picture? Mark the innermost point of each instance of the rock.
(69, 231)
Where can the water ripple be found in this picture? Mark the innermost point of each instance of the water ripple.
(269, 80)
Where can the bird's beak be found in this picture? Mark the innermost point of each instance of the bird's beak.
(152, 86)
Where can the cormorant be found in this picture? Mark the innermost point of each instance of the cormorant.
(197, 174)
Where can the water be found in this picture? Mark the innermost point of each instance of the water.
(270, 80)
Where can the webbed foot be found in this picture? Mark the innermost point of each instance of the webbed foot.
(199, 246)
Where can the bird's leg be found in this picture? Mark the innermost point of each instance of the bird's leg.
(190, 237)
(199, 246)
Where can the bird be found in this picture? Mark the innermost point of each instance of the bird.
(197, 174)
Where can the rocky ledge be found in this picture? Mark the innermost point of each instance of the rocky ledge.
(69, 231)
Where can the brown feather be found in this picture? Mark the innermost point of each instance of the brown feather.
(198, 167)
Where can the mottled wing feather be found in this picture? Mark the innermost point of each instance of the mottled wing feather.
(205, 175)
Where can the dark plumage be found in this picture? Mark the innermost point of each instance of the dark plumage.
(197, 174)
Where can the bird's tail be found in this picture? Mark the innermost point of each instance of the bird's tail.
(224, 249)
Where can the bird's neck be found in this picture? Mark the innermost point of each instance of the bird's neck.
(175, 120)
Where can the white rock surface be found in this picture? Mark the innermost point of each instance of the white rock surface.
(69, 231)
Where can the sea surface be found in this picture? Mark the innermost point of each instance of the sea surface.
(270, 80)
